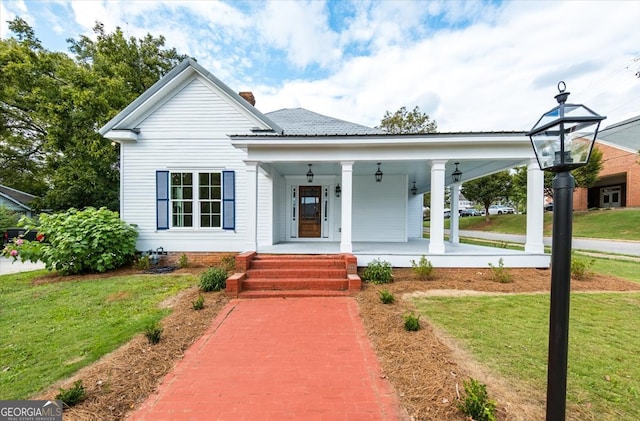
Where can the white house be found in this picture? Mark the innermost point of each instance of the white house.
(203, 171)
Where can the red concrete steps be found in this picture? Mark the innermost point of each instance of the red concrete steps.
(261, 276)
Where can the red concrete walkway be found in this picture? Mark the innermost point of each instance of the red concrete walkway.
(278, 359)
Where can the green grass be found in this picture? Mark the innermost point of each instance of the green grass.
(618, 224)
(50, 331)
(603, 373)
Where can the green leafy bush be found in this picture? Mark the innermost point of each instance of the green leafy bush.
(8, 219)
(386, 297)
(378, 272)
(73, 395)
(77, 241)
(153, 332)
(199, 303)
(500, 273)
(213, 279)
(423, 269)
(183, 262)
(580, 266)
(142, 262)
(476, 402)
(411, 322)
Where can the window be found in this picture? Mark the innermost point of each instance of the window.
(195, 200)
(182, 199)
(210, 198)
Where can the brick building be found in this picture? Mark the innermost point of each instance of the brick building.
(618, 183)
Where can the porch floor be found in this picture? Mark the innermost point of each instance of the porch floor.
(400, 254)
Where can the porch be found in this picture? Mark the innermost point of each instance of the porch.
(400, 254)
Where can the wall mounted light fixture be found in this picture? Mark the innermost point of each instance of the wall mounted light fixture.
(414, 189)
(457, 174)
(338, 190)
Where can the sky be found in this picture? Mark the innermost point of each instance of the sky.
(470, 65)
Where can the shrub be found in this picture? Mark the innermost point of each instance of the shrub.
(8, 219)
(76, 241)
(386, 297)
(228, 263)
(476, 403)
(199, 303)
(500, 273)
(411, 322)
(183, 262)
(378, 272)
(580, 266)
(423, 269)
(73, 395)
(153, 332)
(213, 279)
(142, 262)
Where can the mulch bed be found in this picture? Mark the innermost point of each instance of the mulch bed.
(426, 368)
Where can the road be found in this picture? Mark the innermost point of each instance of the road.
(7, 265)
(631, 248)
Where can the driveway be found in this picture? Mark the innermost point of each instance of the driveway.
(7, 265)
(278, 359)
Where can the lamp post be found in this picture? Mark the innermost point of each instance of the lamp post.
(562, 140)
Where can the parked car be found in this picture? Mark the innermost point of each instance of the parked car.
(470, 212)
(549, 207)
(12, 233)
(500, 210)
(447, 213)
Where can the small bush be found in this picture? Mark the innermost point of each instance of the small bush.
(228, 263)
(423, 269)
(386, 297)
(500, 273)
(213, 279)
(183, 262)
(580, 266)
(153, 332)
(378, 272)
(411, 322)
(476, 403)
(141, 262)
(199, 303)
(73, 395)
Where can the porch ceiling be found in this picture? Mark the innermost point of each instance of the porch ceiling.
(418, 170)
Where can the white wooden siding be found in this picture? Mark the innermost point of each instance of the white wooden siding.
(379, 209)
(188, 132)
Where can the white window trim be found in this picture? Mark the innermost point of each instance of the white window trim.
(195, 199)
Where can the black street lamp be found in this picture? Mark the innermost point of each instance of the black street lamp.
(562, 140)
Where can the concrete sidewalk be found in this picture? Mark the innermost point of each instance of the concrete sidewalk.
(7, 265)
(278, 359)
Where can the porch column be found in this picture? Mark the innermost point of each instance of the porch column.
(535, 208)
(346, 207)
(454, 220)
(436, 235)
(252, 206)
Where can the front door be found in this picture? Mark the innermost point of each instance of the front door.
(610, 197)
(309, 223)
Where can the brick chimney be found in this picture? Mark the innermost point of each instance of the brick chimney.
(248, 96)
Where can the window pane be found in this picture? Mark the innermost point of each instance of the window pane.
(188, 220)
(187, 192)
(215, 207)
(176, 179)
(215, 179)
(205, 221)
(204, 178)
(187, 178)
(215, 194)
(216, 221)
(204, 193)
(188, 207)
(205, 207)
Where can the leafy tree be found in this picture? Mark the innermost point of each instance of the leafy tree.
(8, 219)
(489, 189)
(52, 106)
(584, 176)
(405, 122)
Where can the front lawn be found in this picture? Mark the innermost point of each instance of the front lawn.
(509, 334)
(51, 330)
